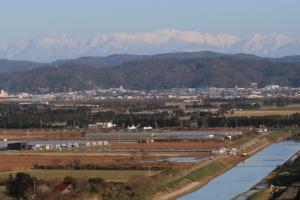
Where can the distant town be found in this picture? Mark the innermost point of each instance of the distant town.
(252, 92)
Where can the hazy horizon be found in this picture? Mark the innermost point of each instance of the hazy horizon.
(45, 31)
(31, 18)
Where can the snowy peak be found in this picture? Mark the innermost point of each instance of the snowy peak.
(55, 39)
(265, 43)
(53, 46)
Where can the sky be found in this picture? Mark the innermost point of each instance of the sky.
(84, 18)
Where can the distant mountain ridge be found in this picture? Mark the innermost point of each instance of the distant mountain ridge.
(53, 46)
(162, 71)
(100, 62)
(13, 65)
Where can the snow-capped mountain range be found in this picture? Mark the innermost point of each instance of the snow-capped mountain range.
(53, 46)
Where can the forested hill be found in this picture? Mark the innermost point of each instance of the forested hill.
(164, 71)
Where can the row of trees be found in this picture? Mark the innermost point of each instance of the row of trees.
(270, 121)
(16, 117)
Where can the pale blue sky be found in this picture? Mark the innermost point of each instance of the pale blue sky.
(85, 18)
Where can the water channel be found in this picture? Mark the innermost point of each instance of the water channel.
(246, 174)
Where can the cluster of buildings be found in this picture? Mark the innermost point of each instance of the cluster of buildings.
(185, 94)
(102, 125)
(252, 92)
(48, 146)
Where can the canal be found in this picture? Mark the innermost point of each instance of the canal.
(246, 174)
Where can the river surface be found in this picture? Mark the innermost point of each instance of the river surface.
(246, 174)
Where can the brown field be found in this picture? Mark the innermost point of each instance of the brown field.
(188, 145)
(58, 175)
(24, 162)
(268, 110)
(14, 161)
(37, 134)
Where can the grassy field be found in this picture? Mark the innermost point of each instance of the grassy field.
(109, 175)
(276, 134)
(196, 175)
(268, 110)
(205, 171)
(257, 113)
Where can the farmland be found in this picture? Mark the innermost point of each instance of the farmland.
(58, 175)
(268, 110)
(275, 135)
(27, 161)
(173, 145)
(118, 163)
(39, 134)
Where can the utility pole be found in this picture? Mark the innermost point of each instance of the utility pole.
(34, 185)
(41, 123)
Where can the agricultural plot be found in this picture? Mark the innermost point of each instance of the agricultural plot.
(268, 110)
(58, 175)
